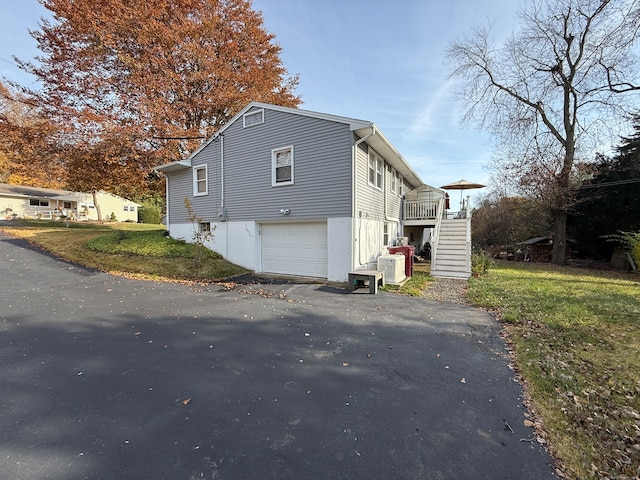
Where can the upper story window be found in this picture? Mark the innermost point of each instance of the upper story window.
(254, 117)
(282, 166)
(401, 189)
(200, 181)
(393, 179)
(376, 166)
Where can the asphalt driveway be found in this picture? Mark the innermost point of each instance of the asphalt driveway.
(104, 377)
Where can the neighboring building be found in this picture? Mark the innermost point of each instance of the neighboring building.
(295, 192)
(47, 203)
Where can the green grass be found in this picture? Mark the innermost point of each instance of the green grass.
(140, 250)
(576, 336)
(150, 243)
(416, 285)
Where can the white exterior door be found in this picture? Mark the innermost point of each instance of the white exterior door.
(295, 249)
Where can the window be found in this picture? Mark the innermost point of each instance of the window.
(385, 238)
(66, 205)
(205, 227)
(400, 185)
(376, 164)
(394, 180)
(282, 166)
(200, 183)
(253, 118)
(36, 202)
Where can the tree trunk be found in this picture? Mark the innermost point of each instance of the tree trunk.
(97, 205)
(559, 252)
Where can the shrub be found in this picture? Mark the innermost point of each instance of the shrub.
(149, 214)
(480, 262)
(630, 241)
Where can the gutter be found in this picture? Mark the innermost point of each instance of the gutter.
(223, 213)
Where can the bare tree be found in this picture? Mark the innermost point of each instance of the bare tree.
(551, 92)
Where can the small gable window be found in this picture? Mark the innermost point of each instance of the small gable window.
(254, 117)
(200, 181)
(282, 166)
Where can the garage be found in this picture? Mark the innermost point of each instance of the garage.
(295, 249)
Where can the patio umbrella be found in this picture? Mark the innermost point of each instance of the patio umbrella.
(461, 185)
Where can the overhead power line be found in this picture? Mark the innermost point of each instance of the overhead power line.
(610, 184)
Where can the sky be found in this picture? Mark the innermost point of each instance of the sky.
(376, 60)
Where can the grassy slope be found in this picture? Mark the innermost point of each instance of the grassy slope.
(69, 241)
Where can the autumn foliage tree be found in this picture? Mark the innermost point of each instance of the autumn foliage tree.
(134, 83)
(552, 91)
(28, 150)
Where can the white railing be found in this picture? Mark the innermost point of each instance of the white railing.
(421, 210)
(435, 234)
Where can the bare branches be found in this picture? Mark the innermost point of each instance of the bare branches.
(570, 67)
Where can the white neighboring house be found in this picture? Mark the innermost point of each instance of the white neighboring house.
(17, 201)
(295, 192)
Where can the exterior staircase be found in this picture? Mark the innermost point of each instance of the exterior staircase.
(451, 254)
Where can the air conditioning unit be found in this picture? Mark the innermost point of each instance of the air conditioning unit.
(393, 268)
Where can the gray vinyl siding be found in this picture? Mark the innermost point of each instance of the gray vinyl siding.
(370, 200)
(322, 168)
(393, 199)
(181, 187)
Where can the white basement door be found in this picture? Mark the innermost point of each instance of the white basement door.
(295, 249)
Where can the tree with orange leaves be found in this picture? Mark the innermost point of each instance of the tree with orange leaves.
(134, 83)
(28, 151)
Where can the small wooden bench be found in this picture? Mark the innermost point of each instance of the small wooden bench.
(362, 278)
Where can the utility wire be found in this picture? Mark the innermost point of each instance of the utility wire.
(610, 184)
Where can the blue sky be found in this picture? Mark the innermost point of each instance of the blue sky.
(377, 60)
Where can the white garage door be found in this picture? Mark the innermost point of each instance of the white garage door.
(295, 249)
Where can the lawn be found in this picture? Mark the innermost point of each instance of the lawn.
(576, 338)
(133, 249)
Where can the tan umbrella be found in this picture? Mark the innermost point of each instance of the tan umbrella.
(462, 185)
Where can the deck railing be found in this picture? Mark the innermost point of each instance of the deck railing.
(420, 209)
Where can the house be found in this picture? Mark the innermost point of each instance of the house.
(295, 192)
(18, 201)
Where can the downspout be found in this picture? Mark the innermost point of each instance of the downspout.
(354, 167)
(354, 176)
(166, 207)
(223, 212)
(222, 176)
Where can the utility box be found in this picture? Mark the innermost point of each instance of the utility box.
(393, 268)
(408, 253)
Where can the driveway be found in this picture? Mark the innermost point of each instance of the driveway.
(111, 378)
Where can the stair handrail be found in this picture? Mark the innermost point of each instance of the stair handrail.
(468, 234)
(435, 236)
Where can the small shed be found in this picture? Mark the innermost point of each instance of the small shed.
(538, 249)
